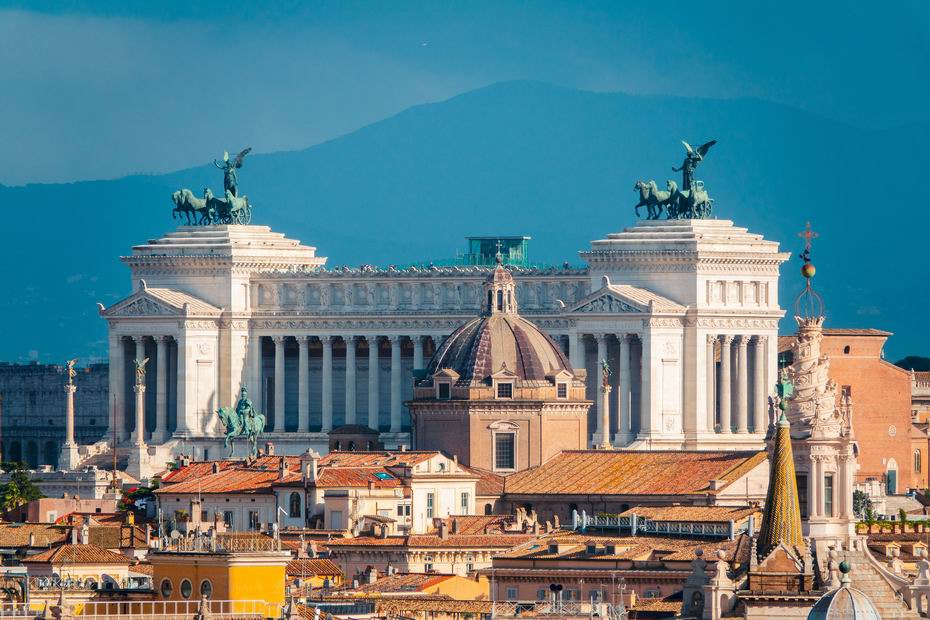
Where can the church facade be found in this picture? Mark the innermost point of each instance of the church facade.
(684, 310)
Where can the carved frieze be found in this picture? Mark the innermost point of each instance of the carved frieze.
(607, 304)
(144, 307)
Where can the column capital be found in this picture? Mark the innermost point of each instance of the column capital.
(162, 339)
(711, 339)
(347, 338)
(744, 341)
(370, 338)
(599, 337)
(760, 339)
(137, 339)
(326, 339)
(627, 338)
(138, 388)
(278, 340)
(303, 341)
(727, 340)
(70, 388)
(395, 339)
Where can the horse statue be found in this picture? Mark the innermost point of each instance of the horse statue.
(239, 208)
(691, 203)
(651, 197)
(185, 202)
(250, 427)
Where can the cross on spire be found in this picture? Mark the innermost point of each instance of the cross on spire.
(499, 256)
(808, 235)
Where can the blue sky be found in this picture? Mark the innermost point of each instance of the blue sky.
(103, 89)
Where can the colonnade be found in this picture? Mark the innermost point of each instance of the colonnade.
(162, 370)
(370, 417)
(731, 406)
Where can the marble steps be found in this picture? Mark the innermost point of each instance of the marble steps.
(867, 579)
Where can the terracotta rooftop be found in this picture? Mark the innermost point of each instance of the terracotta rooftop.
(199, 469)
(77, 554)
(402, 582)
(310, 567)
(376, 459)
(601, 472)
(237, 479)
(574, 545)
(499, 541)
(702, 514)
(489, 483)
(396, 605)
(478, 524)
(49, 535)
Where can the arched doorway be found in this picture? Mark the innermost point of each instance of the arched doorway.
(891, 478)
(50, 454)
(15, 453)
(32, 454)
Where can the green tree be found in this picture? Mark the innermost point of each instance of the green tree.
(914, 362)
(20, 489)
(861, 503)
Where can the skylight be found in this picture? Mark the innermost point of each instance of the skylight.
(380, 475)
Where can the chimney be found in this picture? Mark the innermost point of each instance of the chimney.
(216, 467)
(455, 525)
(372, 575)
(269, 449)
(32, 539)
(219, 525)
(282, 469)
(443, 530)
(195, 514)
(74, 536)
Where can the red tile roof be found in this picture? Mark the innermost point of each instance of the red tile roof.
(603, 472)
(489, 483)
(311, 567)
(376, 459)
(705, 514)
(237, 479)
(402, 582)
(497, 541)
(77, 554)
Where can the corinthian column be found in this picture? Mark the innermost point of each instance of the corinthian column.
(70, 389)
(327, 383)
(602, 435)
(278, 384)
(711, 392)
(623, 396)
(395, 383)
(742, 386)
(724, 383)
(138, 435)
(758, 385)
(374, 402)
(161, 390)
(350, 379)
(418, 352)
(303, 384)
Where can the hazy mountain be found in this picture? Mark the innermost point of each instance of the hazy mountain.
(512, 158)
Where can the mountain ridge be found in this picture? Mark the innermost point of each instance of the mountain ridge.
(519, 157)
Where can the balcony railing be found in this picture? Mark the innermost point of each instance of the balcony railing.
(634, 524)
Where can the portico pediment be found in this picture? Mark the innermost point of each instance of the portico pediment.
(160, 302)
(623, 299)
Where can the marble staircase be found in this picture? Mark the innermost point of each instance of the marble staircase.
(866, 577)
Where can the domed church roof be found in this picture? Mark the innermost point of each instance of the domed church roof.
(499, 339)
(846, 602)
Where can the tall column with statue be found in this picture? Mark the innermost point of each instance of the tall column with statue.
(140, 465)
(69, 458)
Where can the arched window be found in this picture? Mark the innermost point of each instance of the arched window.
(490, 301)
(917, 461)
(488, 509)
(846, 350)
(351, 446)
(295, 502)
(500, 301)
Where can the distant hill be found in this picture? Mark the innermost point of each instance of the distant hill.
(511, 158)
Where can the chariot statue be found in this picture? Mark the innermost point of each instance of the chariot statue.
(227, 208)
(242, 421)
(691, 201)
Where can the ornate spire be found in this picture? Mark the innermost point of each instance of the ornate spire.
(781, 520)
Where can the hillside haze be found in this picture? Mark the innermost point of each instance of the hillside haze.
(513, 158)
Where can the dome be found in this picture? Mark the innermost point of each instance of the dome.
(487, 344)
(499, 339)
(844, 603)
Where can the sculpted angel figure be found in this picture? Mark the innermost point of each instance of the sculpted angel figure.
(140, 370)
(230, 178)
(72, 373)
(693, 157)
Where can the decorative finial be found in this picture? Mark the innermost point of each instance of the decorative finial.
(499, 257)
(809, 304)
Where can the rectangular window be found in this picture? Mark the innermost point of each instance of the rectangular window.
(828, 495)
(504, 451)
(445, 391)
(469, 568)
(561, 390)
(464, 503)
(400, 510)
(505, 390)
(254, 521)
(802, 494)
(430, 508)
(204, 516)
(428, 564)
(228, 519)
(335, 520)
(542, 594)
(511, 594)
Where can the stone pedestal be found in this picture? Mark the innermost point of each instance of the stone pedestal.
(604, 443)
(141, 464)
(69, 458)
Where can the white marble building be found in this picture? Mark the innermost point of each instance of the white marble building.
(685, 310)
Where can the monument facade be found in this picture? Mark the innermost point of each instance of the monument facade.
(684, 310)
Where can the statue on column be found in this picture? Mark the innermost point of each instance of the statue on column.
(243, 421)
(140, 370)
(230, 178)
(72, 373)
